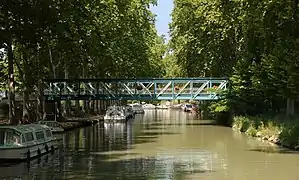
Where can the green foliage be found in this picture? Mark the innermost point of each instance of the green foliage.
(254, 43)
(75, 38)
(171, 66)
(220, 106)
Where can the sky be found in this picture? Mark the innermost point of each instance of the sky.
(163, 17)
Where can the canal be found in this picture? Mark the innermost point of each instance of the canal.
(162, 145)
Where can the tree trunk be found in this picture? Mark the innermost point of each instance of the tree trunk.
(93, 106)
(290, 107)
(97, 106)
(66, 110)
(57, 103)
(26, 115)
(11, 94)
(40, 99)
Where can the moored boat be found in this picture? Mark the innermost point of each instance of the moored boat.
(130, 112)
(187, 107)
(54, 126)
(148, 106)
(137, 108)
(117, 113)
(176, 106)
(162, 106)
(23, 142)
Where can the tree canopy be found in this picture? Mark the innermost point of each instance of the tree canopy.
(80, 39)
(255, 43)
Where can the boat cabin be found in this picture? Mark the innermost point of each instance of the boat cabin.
(23, 134)
(115, 110)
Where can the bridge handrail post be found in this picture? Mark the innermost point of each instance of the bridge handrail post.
(172, 89)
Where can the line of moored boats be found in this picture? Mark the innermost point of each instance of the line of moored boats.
(24, 142)
(122, 113)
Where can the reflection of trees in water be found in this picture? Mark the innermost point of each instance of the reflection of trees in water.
(168, 116)
(99, 138)
(118, 136)
(88, 166)
(83, 157)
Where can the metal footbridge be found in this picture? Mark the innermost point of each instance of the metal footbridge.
(134, 89)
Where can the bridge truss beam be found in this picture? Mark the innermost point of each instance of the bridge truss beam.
(134, 89)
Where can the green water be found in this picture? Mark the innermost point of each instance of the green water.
(160, 145)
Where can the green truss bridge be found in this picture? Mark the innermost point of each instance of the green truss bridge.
(134, 89)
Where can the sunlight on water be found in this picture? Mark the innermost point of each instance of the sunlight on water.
(159, 145)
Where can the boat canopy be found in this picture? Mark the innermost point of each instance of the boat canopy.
(25, 128)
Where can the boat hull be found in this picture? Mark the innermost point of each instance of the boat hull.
(162, 107)
(117, 119)
(141, 111)
(27, 152)
(188, 109)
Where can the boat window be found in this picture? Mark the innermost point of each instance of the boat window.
(2, 137)
(48, 132)
(29, 136)
(40, 135)
(23, 138)
(136, 106)
(189, 106)
(12, 138)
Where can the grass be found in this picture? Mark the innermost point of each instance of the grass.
(280, 129)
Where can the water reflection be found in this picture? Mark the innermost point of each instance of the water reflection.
(159, 145)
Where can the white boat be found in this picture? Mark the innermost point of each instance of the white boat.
(176, 106)
(162, 107)
(137, 108)
(187, 107)
(23, 142)
(129, 111)
(117, 113)
(54, 126)
(148, 106)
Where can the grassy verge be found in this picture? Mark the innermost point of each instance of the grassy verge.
(279, 130)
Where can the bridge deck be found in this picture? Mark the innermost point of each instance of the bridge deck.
(134, 89)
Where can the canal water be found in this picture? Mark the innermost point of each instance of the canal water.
(160, 145)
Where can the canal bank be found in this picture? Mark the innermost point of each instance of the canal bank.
(162, 144)
(280, 130)
(71, 123)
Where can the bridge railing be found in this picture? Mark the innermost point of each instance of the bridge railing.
(134, 89)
